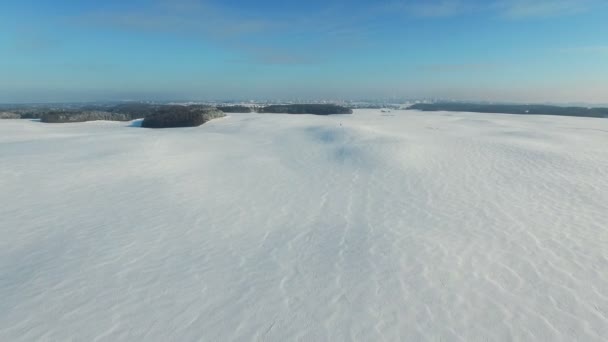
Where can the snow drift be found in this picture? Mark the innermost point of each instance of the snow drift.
(417, 226)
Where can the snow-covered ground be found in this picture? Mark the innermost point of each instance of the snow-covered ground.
(377, 226)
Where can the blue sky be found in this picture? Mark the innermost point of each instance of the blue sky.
(499, 50)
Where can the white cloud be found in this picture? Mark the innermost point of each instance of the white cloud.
(443, 8)
(430, 8)
(512, 9)
(588, 49)
(517, 9)
(257, 37)
(463, 67)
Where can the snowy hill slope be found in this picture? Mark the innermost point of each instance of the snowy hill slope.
(367, 227)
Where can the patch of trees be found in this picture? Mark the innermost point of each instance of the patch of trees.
(136, 110)
(180, 116)
(82, 116)
(513, 109)
(235, 109)
(155, 116)
(9, 115)
(31, 115)
(317, 109)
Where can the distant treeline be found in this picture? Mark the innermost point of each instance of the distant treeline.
(82, 116)
(79, 113)
(317, 109)
(9, 115)
(513, 109)
(235, 109)
(155, 116)
(156, 112)
(121, 112)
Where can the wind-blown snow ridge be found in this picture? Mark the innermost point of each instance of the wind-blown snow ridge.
(418, 226)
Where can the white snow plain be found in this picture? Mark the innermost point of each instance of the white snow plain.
(370, 227)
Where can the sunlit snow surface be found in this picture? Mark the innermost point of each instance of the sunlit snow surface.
(391, 226)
